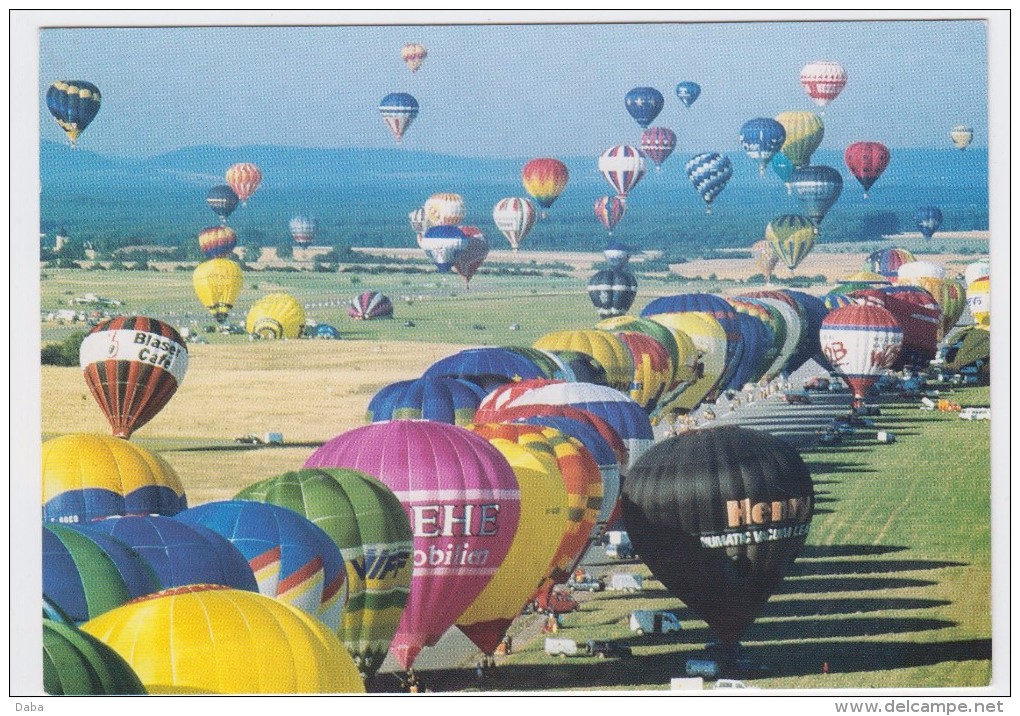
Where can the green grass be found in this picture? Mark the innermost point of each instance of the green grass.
(892, 589)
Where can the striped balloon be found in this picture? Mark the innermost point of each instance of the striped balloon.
(302, 230)
(133, 366)
(473, 255)
(440, 399)
(514, 217)
(804, 132)
(445, 209)
(823, 80)
(244, 179)
(609, 210)
(612, 291)
(369, 305)
(962, 135)
(623, 167)
(761, 138)
(709, 173)
(419, 223)
(791, 237)
(222, 200)
(818, 188)
(888, 261)
(216, 241)
(860, 342)
(413, 54)
(658, 143)
(398, 110)
(979, 300)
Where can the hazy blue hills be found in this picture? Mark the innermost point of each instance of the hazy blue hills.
(361, 197)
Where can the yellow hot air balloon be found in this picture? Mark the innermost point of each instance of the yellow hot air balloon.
(962, 135)
(207, 639)
(765, 258)
(948, 293)
(542, 524)
(89, 477)
(978, 295)
(709, 338)
(445, 209)
(218, 284)
(278, 315)
(604, 347)
(791, 238)
(804, 132)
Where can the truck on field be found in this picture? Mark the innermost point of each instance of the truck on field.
(624, 582)
(619, 545)
(562, 647)
(646, 621)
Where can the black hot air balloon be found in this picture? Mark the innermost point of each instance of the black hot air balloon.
(222, 200)
(612, 291)
(719, 515)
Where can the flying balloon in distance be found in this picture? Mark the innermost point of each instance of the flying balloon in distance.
(545, 179)
(413, 54)
(216, 241)
(688, 93)
(74, 104)
(762, 138)
(962, 135)
(514, 217)
(823, 80)
(244, 179)
(709, 173)
(644, 105)
(657, 143)
(866, 161)
(928, 220)
(609, 210)
(804, 132)
(222, 200)
(398, 110)
(302, 229)
(217, 284)
(623, 167)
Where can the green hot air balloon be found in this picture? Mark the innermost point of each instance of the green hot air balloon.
(791, 237)
(79, 664)
(369, 525)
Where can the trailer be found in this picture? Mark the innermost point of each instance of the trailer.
(624, 582)
(562, 647)
(654, 622)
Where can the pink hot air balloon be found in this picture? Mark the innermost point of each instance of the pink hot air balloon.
(609, 210)
(860, 341)
(463, 501)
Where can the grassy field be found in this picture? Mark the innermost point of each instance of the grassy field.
(893, 589)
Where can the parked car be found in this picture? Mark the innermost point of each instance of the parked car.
(654, 622)
(585, 582)
(606, 649)
(796, 398)
(732, 684)
(558, 602)
(619, 545)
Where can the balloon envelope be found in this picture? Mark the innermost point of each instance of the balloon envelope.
(217, 284)
(709, 172)
(860, 342)
(133, 366)
(644, 105)
(73, 104)
(205, 639)
(463, 502)
(440, 399)
(222, 200)
(78, 664)
(623, 167)
(369, 306)
(302, 229)
(657, 143)
(823, 80)
(398, 110)
(244, 179)
(866, 161)
(719, 515)
(275, 316)
(804, 132)
(89, 477)
(413, 54)
(928, 220)
(544, 179)
(761, 138)
(612, 291)
(514, 217)
(688, 92)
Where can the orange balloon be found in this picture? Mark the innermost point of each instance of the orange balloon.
(544, 179)
(244, 179)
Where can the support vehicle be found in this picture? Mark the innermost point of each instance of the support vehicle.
(654, 622)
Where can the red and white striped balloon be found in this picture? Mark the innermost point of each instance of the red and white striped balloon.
(860, 342)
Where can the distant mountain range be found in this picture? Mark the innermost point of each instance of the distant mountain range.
(362, 196)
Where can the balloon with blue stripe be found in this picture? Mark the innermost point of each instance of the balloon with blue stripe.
(709, 173)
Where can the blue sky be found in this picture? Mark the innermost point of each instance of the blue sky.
(513, 91)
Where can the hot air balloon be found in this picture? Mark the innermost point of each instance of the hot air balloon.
(860, 342)
(718, 516)
(765, 258)
(442, 400)
(302, 229)
(688, 92)
(277, 315)
(87, 573)
(918, 315)
(444, 244)
(657, 143)
(818, 188)
(762, 138)
(814, 311)
(79, 664)
(866, 161)
(133, 366)
(976, 270)
(244, 179)
(88, 477)
(789, 326)
(217, 284)
(913, 270)
(653, 371)
(544, 179)
(294, 561)
(488, 367)
(709, 340)
(609, 210)
(823, 80)
(419, 223)
(623, 167)
(784, 169)
(216, 241)
(413, 55)
(611, 353)
(444, 209)
(180, 553)
(624, 415)
(612, 291)
(948, 293)
(325, 332)
(644, 105)
(369, 306)
(463, 501)
(544, 512)
(979, 301)
(664, 336)
(888, 261)
(74, 104)
(367, 522)
(962, 135)
(804, 132)
(222, 200)
(928, 220)
(473, 255)
(709, 173)
(775, 327)
(970, 346)
(514, 217)
(398, 110)
(617, 254)
(207, 639)
(791, 237)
